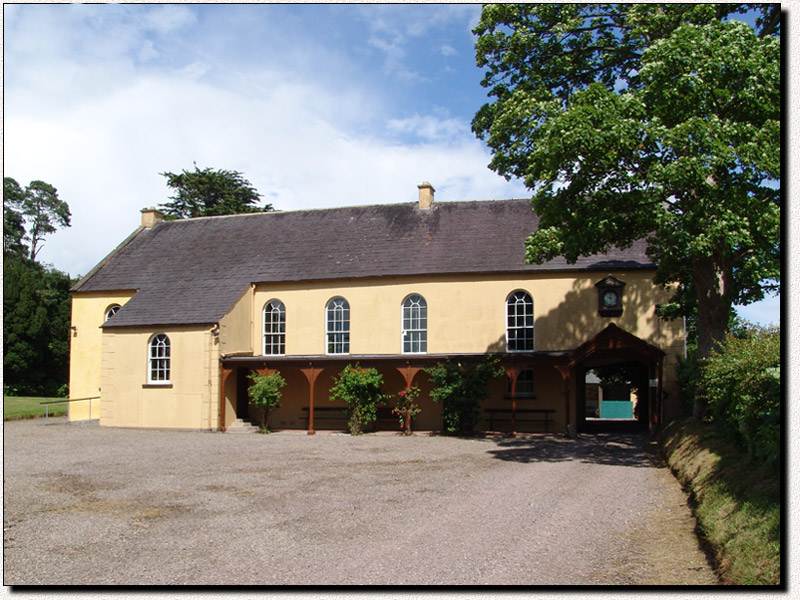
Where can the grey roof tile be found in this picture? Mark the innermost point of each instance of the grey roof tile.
(193, 271)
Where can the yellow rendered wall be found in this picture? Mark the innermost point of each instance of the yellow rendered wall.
(468, 315)
(88, 315)
(190, 401)
(465, 315)
(236, 327)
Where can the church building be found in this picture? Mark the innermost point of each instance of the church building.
(166, 329)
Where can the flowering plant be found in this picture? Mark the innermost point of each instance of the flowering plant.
(407, 407)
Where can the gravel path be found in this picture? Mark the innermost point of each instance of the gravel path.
(91, 505)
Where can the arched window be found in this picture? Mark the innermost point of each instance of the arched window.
(415, 325)
(111, 311)
(158, 370)
(337, 326)
(519, 322)
(274, 328)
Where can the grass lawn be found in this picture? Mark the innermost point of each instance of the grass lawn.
(20, 407)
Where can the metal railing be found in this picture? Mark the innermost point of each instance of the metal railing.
(67, 401)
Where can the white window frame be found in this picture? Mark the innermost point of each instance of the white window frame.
(111, 311)
(337, 326)
(517, 322)
(524, 386)
(159, 360)
(273, 338)
(414, 325)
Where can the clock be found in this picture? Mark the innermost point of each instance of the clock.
(609, 296)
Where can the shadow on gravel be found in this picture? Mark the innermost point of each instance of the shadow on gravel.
(625, 449)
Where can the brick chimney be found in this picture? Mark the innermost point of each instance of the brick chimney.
(151, 216)
(426, 192)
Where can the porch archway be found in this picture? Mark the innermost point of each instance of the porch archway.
(615, 348)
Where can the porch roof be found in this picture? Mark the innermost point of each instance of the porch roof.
(260, 361)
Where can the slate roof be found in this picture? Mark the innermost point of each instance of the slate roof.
(193, 271)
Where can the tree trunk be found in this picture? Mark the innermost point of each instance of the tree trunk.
(713, 282)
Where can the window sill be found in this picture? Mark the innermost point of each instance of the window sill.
(154, 386)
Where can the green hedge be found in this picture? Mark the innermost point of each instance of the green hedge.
(742, 384)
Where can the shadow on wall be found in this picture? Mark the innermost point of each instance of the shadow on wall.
(628, 449)
(576, 319)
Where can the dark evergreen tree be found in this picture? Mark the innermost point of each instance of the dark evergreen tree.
(208, 192)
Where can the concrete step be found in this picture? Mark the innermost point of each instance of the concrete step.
(240, 426)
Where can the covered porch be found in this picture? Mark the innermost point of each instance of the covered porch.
(541, 391)
(306, 403)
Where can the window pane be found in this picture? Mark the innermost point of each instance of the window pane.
(520, 322)
(415, 324)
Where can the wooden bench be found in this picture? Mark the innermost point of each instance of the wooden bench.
(327, 413)
(504, 414)
(385, 417)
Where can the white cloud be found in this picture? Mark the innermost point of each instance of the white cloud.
(430, 128)
(102, 126)
(105, 157)
(448, 50)
(169, 18)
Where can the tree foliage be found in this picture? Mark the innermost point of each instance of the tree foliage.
(208, 192)
(13, 223)
(657, 122)
(460, 390)
(361, 391)
(36, 328)
(36, 301)
(31, 214)
(741, 381)
(265, 392)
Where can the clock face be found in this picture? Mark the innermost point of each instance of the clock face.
(610, 298)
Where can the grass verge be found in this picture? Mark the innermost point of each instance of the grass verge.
(737, 502)
(23, 407)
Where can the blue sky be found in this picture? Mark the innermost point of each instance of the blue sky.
(318, 106)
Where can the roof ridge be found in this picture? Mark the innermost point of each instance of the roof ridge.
(342, 208)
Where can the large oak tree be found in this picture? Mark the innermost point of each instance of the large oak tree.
(645, 121)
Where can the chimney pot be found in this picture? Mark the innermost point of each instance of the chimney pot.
(151, 217)
(426, 192)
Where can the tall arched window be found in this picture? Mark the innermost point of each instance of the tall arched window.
(274, 328)
(519, 322)
(337, 326)
(158, 369)
(415, 324)
(111, 311)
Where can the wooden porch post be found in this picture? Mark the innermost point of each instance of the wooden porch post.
(311, 374)
(409, 373)
(223, 380)
(513, 374)
(659, 391)
(565, 375)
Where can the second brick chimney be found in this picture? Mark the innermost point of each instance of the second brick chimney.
(426, 192)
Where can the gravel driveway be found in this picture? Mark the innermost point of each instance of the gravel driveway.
(92, 505)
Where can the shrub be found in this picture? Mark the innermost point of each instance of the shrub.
(688, 372)
(265, 391)
(460, 391)
(361, 390)
(407, 407)
(741, 382)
